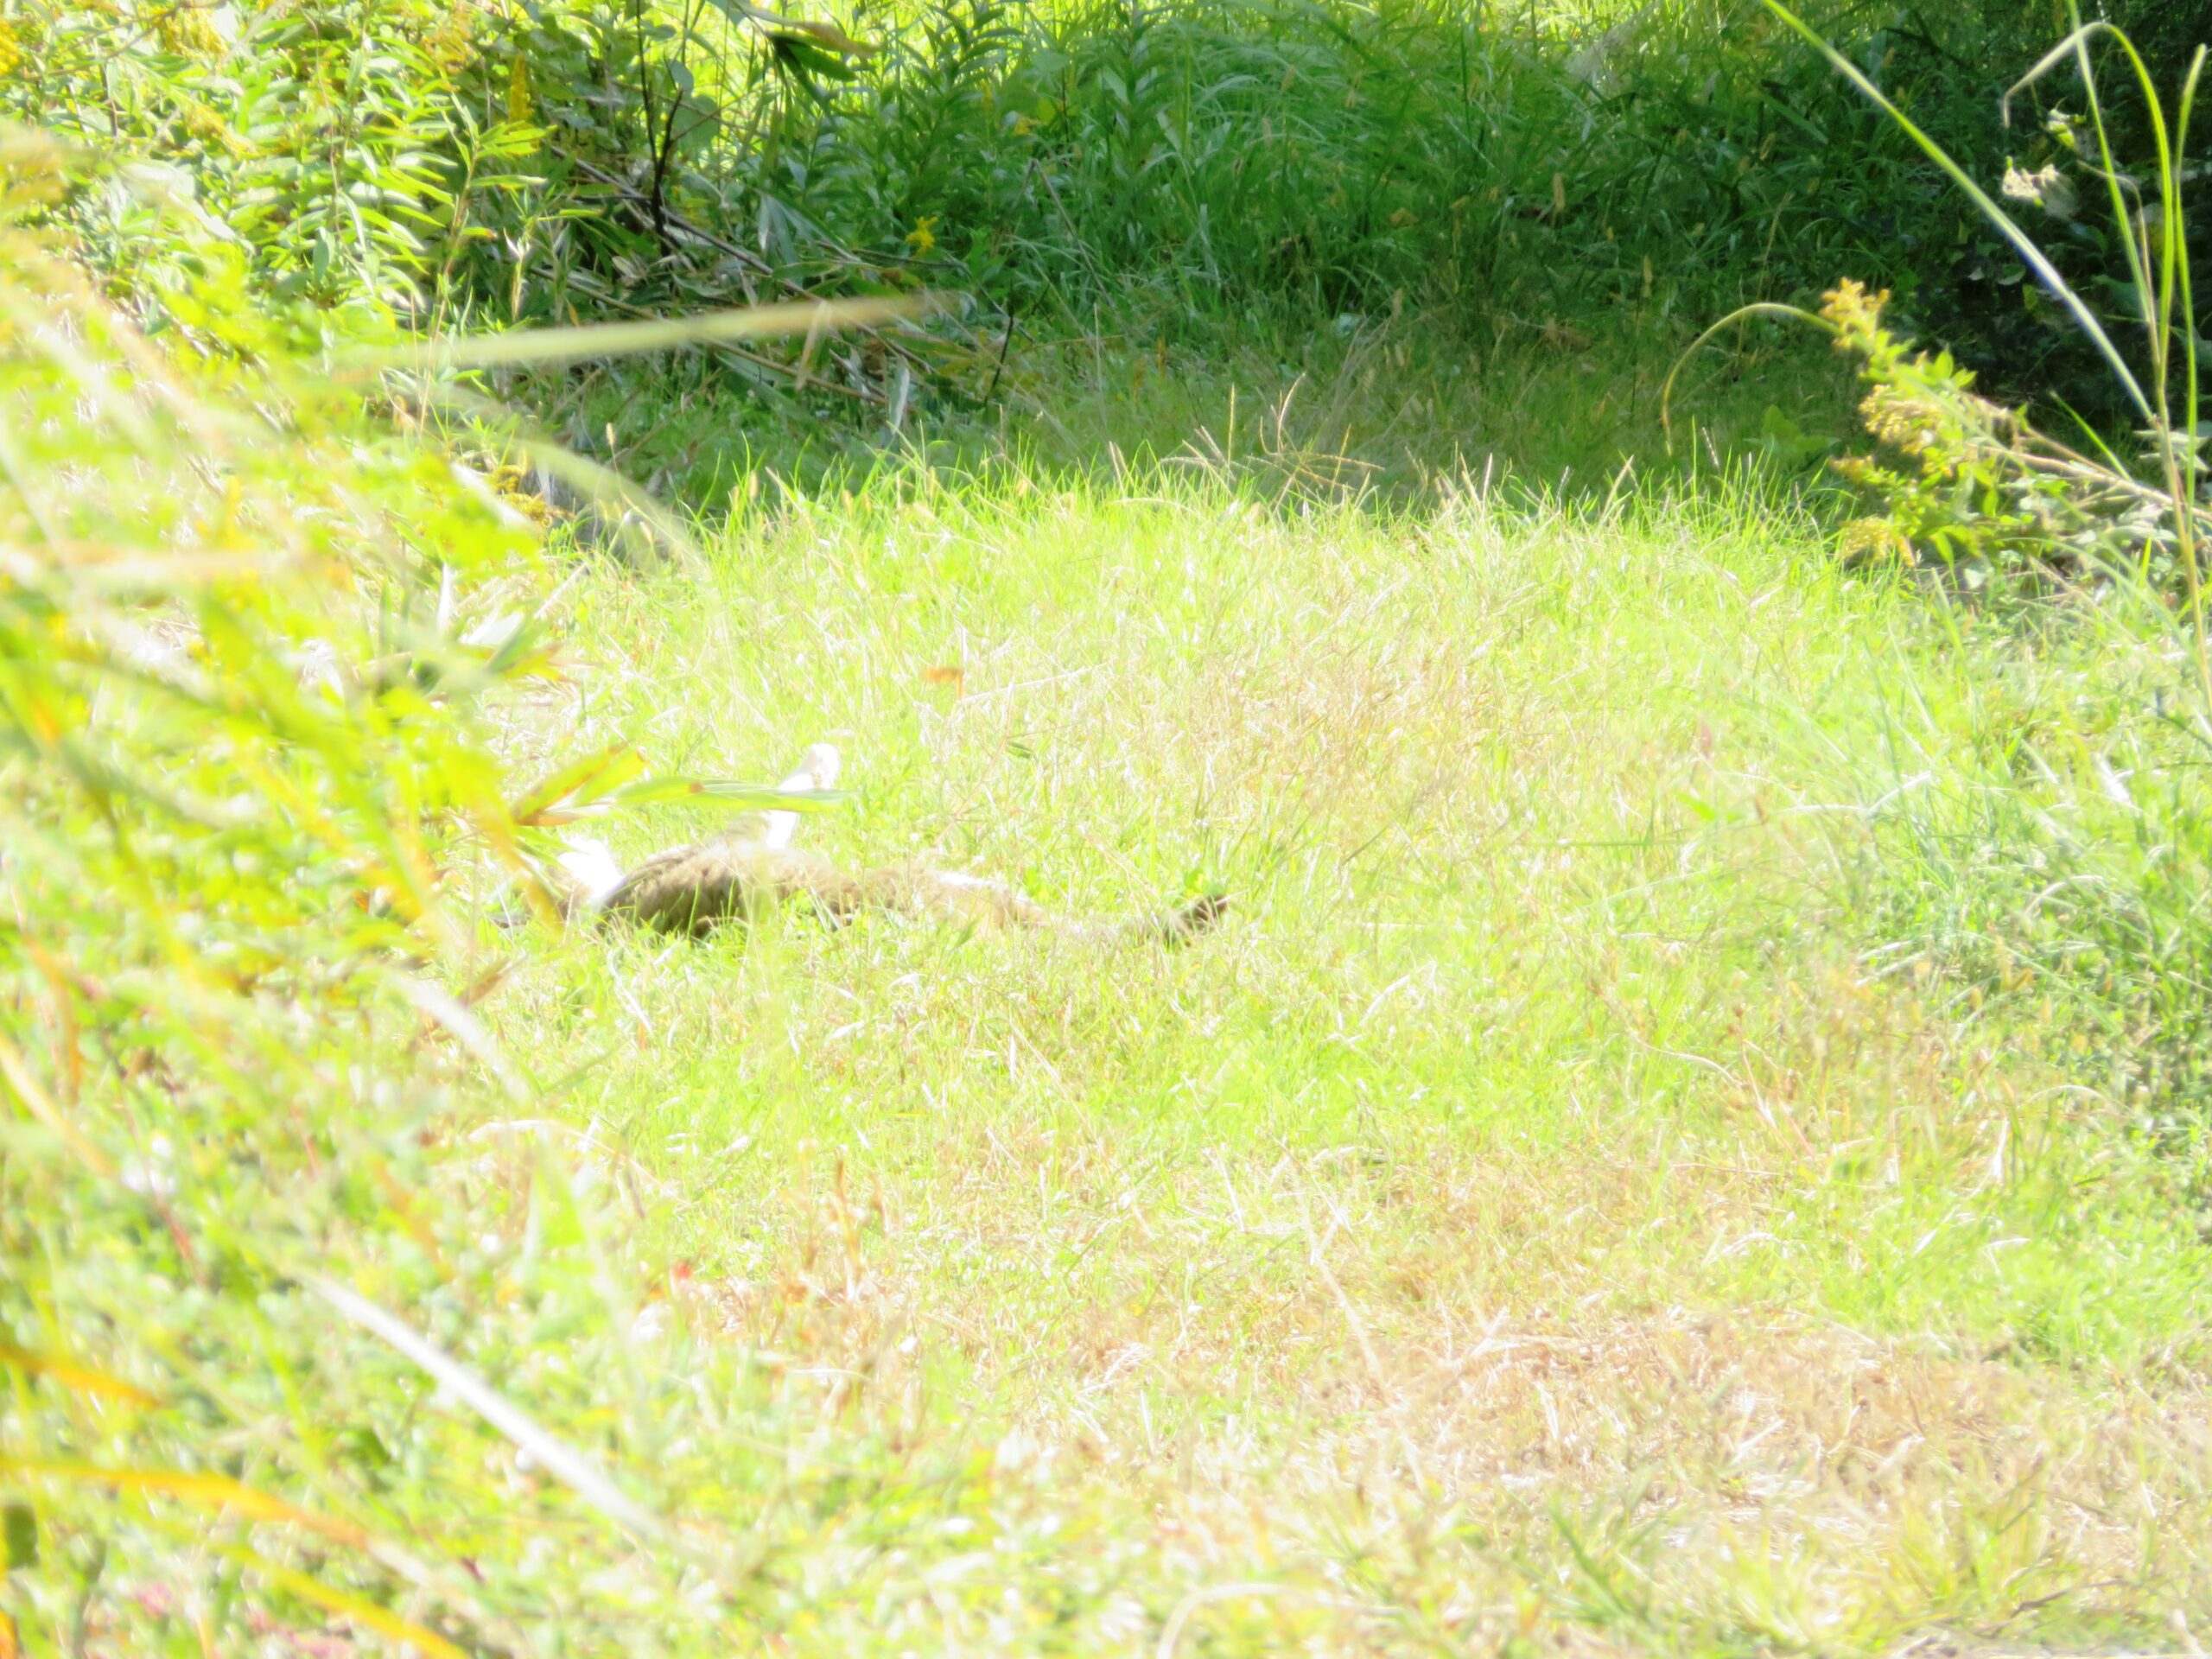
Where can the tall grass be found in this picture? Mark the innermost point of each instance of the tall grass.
(371, 1273)
(299, 1322)
(2082, 876)
(1177, 178)
(1549, 1090)
(1179, 174)
(1345, 1286)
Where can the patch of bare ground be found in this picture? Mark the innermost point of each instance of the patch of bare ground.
(1368, 1467)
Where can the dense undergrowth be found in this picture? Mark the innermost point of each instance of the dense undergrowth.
(248, 632)
(1657, 947)
(1171, 181)
(382, 1266)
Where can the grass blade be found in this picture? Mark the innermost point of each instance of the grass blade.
(579, 1474)
(530, 346)
(382, 1620)
(2021, 242)
(217, 1492)
(82, 1379)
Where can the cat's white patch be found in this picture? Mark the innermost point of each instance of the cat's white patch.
(592, 866)
(817, 771)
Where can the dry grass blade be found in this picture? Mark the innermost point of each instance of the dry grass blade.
(1171, 1634)
(26, 1089)
(71, 1375)
(217, 1492)
(382, 1620)
(447, 1011)
(532, 346)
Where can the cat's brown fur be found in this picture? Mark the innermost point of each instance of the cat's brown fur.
(753, 868)
(690, 889)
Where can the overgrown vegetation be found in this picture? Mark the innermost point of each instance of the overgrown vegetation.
(1695, 1140)
(1176, 177)
(250, 637)
(1983, 493)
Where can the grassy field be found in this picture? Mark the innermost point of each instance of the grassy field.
(1547, 1218)
(1695, 1134)
(1397, 406)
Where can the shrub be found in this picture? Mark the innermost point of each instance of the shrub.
(2062, 859)
(294, 1328)
(1179, 169)
(1987, 486)
(329, 145)
(1985, 490)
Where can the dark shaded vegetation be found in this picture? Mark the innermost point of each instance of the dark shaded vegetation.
(1179, 178)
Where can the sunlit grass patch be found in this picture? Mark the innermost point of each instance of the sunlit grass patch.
(1543, 1210)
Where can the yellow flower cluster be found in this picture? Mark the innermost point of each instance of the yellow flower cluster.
(451, 46)
(1870, 539)
(188, 31)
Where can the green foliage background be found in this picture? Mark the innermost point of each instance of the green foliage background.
(267, 1222)
(1195, 170)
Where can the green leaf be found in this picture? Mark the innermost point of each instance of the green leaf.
(580, 781)
(19, 1521)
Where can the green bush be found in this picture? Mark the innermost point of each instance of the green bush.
(2067, 861)
(299, 1319)
(1177, 170)
(332, 145)
(1185, 165)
